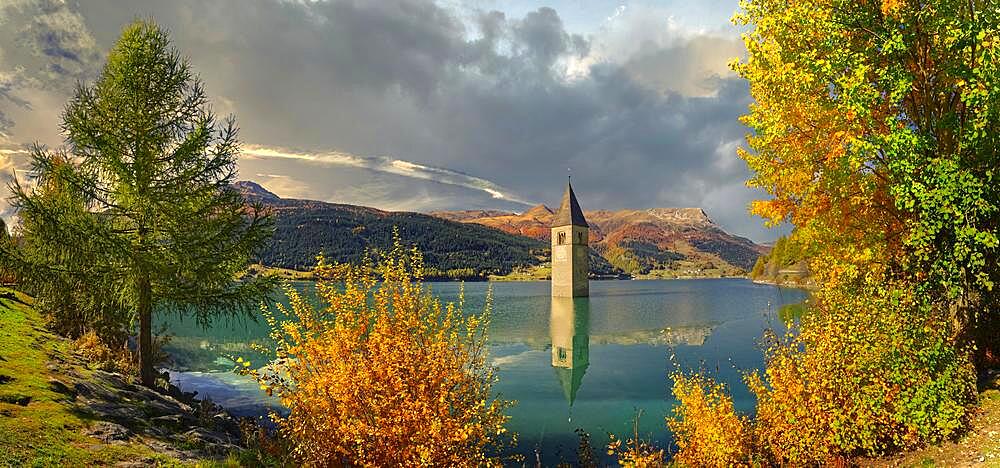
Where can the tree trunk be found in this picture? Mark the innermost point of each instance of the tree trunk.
(145, 310)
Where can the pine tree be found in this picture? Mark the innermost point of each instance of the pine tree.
(138, 207)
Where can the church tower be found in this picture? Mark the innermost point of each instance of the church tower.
(570, 257)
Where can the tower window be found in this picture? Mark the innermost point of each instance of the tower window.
(561, 238)
(579, 238)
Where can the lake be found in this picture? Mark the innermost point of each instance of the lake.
(586, 363)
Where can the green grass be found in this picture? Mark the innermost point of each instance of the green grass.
(283, 273)
(541, 272)
(46, 431)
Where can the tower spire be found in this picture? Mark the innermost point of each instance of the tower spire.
(570, 253)
(569, 213)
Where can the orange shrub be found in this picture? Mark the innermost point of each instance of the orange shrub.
(706, 428)
(870, 371)
(385, 375)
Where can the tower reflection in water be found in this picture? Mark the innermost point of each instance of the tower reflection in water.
(569, 329)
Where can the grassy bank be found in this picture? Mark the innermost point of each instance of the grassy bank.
(37, 425)
(40, 425)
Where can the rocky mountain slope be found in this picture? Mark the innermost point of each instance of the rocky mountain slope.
(657, 242)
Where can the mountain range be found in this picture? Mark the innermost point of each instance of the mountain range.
(652, 242)
(477, 244)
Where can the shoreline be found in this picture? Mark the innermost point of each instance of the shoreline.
(501, 280)
(529, 280)
(807, 286)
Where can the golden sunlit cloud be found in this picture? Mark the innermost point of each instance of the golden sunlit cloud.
(389, 166)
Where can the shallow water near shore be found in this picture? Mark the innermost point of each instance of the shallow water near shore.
(570, 363)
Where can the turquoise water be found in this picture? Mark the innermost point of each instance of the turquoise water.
(585, 363)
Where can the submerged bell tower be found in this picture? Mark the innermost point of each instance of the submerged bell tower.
(569, 330)
(570, 253)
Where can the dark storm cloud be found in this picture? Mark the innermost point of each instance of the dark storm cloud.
(46, 43)
(513, 100)
(44, 47)
(407, 43)
(543, 39)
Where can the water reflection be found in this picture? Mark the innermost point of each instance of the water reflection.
(569, 329)
(619, 340)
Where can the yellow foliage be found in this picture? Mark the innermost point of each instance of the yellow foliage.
(384, 375)
(706, 428)
(853, 102)
(97, 353)
(892, 7)
(635, 452)
(807, 152)
(869, 371)
(90, 346)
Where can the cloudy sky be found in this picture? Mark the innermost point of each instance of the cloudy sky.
(424, 105)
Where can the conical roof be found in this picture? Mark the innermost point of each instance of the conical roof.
(569, 211)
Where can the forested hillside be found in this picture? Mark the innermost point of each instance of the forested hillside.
(786, 263)
(342, 233)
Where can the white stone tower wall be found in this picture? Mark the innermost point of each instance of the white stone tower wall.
(570, 262)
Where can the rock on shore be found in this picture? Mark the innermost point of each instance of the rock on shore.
(167, 420)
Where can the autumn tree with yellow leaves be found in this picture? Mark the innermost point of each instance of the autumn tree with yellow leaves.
(875, 130)
(384, 374)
